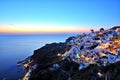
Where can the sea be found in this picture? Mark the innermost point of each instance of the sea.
(17, 47)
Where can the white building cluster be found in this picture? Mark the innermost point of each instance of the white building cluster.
(100, 47)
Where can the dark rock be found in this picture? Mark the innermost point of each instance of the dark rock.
(110, 72)
(48, 53)
(70, 38)
(46, 57)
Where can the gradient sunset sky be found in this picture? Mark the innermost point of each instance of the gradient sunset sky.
(52, 16)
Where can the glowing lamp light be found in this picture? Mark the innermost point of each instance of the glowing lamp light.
(100, 74)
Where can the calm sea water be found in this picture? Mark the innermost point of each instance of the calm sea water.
(14, 48)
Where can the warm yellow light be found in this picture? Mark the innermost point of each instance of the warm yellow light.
(40, 29)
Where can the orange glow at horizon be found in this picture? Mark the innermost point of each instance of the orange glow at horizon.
(40, 29)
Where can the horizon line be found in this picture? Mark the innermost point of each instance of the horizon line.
(43, 32)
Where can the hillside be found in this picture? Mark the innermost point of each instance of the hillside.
(92, 56)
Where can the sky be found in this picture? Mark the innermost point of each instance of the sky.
(54, 16)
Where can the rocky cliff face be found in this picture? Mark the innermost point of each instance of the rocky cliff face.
(93, 56)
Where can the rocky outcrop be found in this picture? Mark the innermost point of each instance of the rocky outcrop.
(83, 57)
(48, 53)
(95, 72)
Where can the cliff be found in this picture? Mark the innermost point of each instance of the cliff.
(92, 56)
